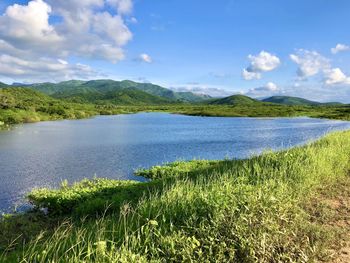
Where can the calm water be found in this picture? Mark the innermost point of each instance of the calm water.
(44, 154)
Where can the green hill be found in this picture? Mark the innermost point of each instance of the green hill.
(96, 90)
(192, 97)
(234, 100)
(287, 100)
(22, 98)
(3, 85)
(132, 96)
(19, 105)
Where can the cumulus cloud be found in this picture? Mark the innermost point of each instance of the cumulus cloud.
(123, 6)
(28, 25)
(146, 58)
(336, 76)
(248, 75)
(309, 63)
(44, 69)
(213, 91)
(268, 89)
(339, 47)
(263, 62)
(51, 29)
(112, 27)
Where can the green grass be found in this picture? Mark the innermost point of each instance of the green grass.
(201, 211)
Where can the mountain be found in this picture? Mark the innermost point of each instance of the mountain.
(3, 85)
(193, 97)
(19, 84)
(23, 98)
(97, 90)
(52, 88)
(128, 96)
(234, 100)
(287, 100)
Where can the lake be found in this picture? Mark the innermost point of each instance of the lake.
(43, 154)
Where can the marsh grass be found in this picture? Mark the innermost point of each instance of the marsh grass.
(201, 211)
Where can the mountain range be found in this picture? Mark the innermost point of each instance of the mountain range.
(282, 100)
(128, 92)
(117, 92)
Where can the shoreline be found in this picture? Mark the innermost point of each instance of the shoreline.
(7, 127)
(86, 111)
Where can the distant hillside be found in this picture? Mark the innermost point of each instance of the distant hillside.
(129, 96)
(97, 90)
(3, 85)
(234, 100)
(23, 98)
(193, 97)
(287, 100)
(18, 105)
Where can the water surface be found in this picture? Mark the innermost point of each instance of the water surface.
(43, 154)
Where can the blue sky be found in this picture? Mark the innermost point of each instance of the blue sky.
(285, 47)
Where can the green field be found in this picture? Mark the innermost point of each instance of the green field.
(256, 210)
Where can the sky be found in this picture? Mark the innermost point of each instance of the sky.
(222, 47)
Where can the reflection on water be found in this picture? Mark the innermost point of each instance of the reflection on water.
(44, 154)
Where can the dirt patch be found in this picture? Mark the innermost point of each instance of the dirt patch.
(331, 209)
(343, 256)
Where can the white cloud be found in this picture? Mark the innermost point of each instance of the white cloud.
(123, 6)
(214, 91)
(28, 25)
(270, 86)
(146, 58)
(82, 28)
(268, 89)
(112, 27)
(133, 20)
(43, 69)
(247, 75)
(263, 62)
(310, 63)
(336, 76)
(62, 61)
(339, 47)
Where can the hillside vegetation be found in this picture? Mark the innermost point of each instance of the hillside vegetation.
(287, 100)
(235, 100)
(3, 85)
(80, 99)
(19, 105)
(99, 90)
(253, 210)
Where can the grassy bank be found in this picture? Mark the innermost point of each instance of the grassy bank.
(268, 110)
(255, 210)
(21, 105)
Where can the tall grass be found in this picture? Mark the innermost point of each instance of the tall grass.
(228, 211)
